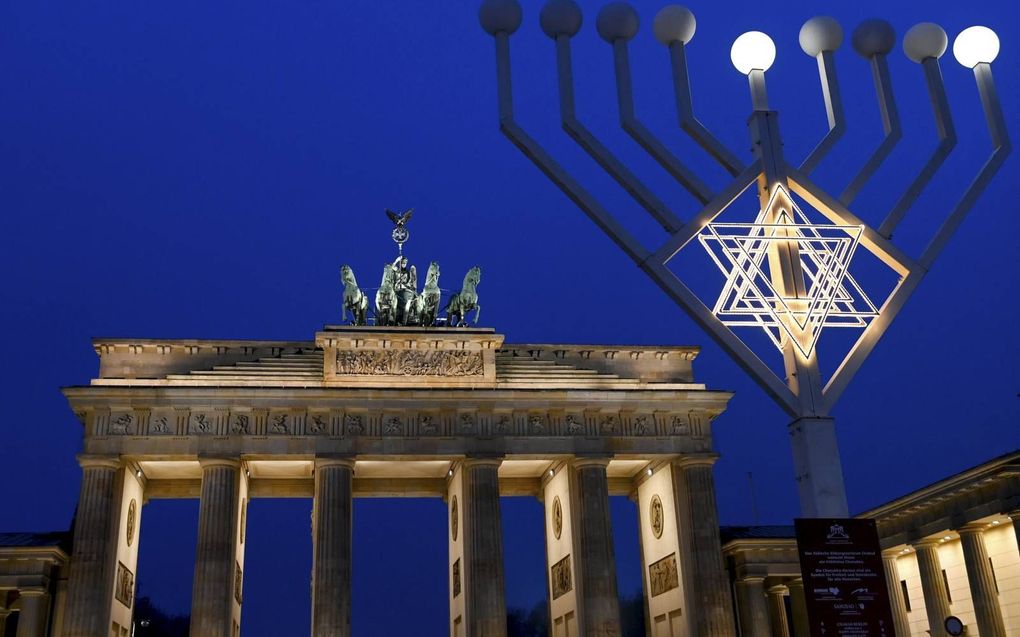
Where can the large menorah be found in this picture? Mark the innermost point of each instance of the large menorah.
(784, 273)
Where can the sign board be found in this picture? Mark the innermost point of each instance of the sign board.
(844, 581)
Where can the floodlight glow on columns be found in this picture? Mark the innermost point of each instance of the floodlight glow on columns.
(752, 54)
(976, 45)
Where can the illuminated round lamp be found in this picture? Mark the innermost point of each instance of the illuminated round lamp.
(976, 45)
(674, 23)
(560, 17)
(820, 33)
(617, 21)
(753, 51)
(925, 40)
(873, 37)
(497, 16)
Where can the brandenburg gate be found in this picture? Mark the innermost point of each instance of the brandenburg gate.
(387, 411)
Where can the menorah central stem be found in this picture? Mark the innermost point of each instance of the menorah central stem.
(812, 435)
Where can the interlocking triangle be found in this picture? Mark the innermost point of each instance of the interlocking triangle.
(830, 298)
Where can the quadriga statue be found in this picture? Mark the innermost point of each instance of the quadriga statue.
(354, 299)
(464, 301)
(427, 303)
(386, 298)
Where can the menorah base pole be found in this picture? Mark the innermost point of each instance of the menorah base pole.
(817, 468)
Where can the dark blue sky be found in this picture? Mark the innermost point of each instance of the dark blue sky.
(196, 169)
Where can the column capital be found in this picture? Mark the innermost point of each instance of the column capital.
(693, 460)
(777, 589)
(891, 553)
(926, 543)
(482, 461)
(751, 579)
(32, 591)
(219, 461)
(324, 461)
(584, 462)
(972, 528)
(90, 461)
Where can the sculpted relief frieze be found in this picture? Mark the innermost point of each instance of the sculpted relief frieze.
(318, 421)
(409, 362)
(663, 575)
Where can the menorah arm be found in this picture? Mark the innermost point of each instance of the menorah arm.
(602, 155)
(1001, 149)
(833, 111)
(890, 125)
(720, 202)
(947, 141)
(685, 112)
(853, 361)
(549, 166)
(723, 336)
(637, 130)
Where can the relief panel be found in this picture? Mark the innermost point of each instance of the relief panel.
(562, 582)
(663, 575)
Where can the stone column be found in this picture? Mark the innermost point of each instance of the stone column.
(709, 590)
(4, 613)
(35, 611)
(331, 547)
(485, 598)
(94, 558)
(213, 592)
(752, 607)
(936, 598)
(981, 580)
(798, 604)
(777, 611)
(595, 558)
(896, 601)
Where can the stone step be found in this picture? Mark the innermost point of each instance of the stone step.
(559, 384)
(274, 366)
(552, 374)
(256, 372)
(547, 368)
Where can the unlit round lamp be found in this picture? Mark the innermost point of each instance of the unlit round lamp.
(674, 23)
(560, 17)
(873, 37)
(925, 40)
(820, 33)
(497, 16)
(617, 21)
(976, 45)
(753, 51)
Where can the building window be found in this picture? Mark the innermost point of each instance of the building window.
(995, 581)
(945, 580)
(906, 595)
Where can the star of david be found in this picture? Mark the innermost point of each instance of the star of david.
(750, 298)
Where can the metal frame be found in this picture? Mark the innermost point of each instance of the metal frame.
(801, 394)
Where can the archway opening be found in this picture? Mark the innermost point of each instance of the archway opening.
(277, 567)
(167, 536)
(524, 564)
(399, 580)
(627, 548)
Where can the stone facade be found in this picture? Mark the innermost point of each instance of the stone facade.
(948, 549)
(365, 411)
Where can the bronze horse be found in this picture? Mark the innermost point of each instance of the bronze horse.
(354, 299)
(464, 301)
